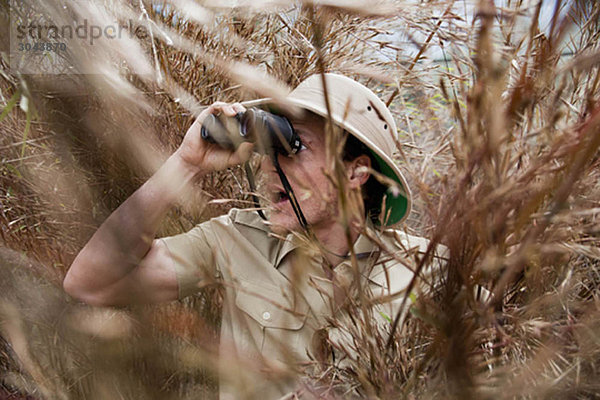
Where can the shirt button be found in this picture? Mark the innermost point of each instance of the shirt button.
(266, 315)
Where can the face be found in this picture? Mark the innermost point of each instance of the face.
(306, 172)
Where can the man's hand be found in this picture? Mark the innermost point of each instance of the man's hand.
(202, 156)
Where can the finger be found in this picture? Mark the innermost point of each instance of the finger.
(215, 108)
(242, 154)
(219, 107)
(238, 108)
(212, 109)
(228, 110)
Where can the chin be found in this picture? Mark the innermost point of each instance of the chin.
(282, 223)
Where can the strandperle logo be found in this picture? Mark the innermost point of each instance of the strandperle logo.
(84, 31)
(65, 38)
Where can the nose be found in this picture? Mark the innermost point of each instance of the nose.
(268, 165)
(287, 165)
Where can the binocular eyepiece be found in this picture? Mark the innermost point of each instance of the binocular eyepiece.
(272, 134)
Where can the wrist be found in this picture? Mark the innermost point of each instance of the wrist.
(184, 168)
(174, 178)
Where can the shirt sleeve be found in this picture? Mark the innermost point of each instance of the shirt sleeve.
(193, 258)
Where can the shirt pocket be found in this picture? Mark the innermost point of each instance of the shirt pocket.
(271, 306)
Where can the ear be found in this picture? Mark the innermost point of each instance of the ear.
(358, 171)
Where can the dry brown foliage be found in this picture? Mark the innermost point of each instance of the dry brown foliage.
(499, 121)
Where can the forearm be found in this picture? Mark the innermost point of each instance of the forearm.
(122, 263)
(123, 240)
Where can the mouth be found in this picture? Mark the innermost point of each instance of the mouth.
(281, 197)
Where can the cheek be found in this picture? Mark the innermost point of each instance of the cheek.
(306, 174)
(313, 178)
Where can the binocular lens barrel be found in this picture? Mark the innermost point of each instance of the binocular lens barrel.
(273, 134)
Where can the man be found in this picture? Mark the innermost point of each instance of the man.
(279, 293)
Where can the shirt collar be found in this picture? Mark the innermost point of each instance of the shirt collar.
(364, 248)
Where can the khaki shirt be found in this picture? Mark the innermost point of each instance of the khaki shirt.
(278, 294)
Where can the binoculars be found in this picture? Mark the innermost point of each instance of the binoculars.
(272, 134)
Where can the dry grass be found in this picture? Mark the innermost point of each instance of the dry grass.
(499, 143)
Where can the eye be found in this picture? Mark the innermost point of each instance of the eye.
(302, 147)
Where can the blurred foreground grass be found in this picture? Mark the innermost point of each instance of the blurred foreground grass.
(499, 120)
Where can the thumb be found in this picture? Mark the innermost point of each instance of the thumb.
(242, 154)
